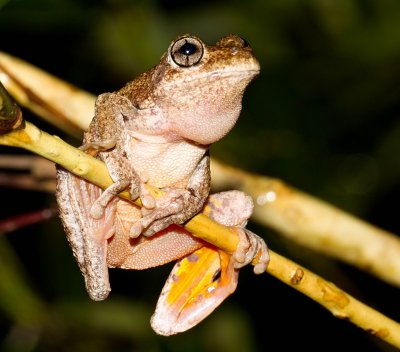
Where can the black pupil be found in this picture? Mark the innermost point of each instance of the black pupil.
(188, 49)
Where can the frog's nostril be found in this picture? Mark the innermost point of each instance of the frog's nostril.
(233, 41)
(245, 43)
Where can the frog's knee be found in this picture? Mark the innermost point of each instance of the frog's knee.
(231, 208)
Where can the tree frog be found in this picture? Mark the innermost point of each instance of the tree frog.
(157, 130)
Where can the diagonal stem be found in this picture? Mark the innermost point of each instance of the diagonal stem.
(328, 295)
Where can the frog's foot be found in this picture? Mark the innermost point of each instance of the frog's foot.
(157, 214)
(197, 285)
(251, 248)
(100, 204)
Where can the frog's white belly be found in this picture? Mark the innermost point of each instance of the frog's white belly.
(167, 164)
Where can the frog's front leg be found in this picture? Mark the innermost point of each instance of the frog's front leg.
(201, 281)
(177, 204)
(105, 139)
(86, 211)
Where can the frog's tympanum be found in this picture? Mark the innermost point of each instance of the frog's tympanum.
(157, 130)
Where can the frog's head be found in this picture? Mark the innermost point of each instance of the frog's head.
(199, 88)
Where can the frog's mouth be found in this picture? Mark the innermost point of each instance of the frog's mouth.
(222, 73)
(208, 78)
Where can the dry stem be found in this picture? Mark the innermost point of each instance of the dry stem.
(315, 223)
(337, 301)
(47, 95)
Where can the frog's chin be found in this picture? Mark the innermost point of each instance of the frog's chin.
(207, 128)
(206, 136)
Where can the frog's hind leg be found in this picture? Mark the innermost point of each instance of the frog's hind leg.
(197, 285)
(234, 208)
(86, 235)
(201, 281)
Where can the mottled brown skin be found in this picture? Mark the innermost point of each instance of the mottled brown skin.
(156, 130)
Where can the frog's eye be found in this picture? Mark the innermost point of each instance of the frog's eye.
(187, 51)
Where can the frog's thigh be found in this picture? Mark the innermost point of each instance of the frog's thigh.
(165, 246)
(231, 208)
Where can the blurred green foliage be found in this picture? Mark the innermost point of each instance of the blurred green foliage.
(323, 116)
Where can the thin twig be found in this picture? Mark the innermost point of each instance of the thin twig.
(30, 172)
(32, 164)
(27, 182)
(17, 222)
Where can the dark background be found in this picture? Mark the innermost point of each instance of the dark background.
(323, 116)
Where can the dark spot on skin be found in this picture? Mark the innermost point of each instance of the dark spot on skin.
(217, 276)
(125, 118)
(192, 191)
(175, 278)
(199, 298)
(193, 258)
(124, 155)
(245, 43)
